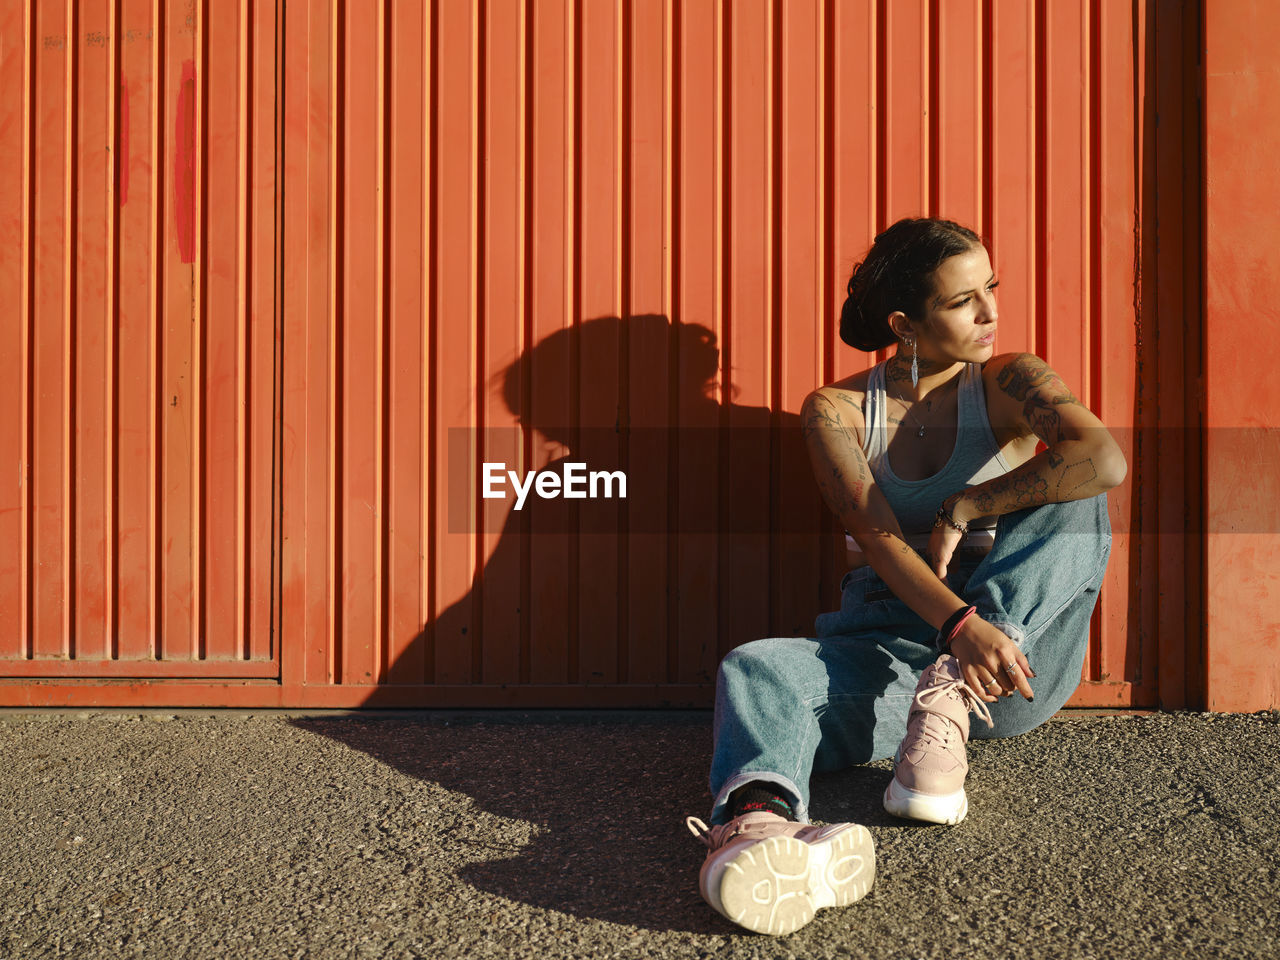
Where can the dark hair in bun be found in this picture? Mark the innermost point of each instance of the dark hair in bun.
(897, 274)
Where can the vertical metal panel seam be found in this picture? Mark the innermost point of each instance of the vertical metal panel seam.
(1083, 153)
(244, 318)
(1093, 113)
(107, 550)
(826, 247)
(117, 169)
(384, 88)
(480, 323)
(671, 293)
(528, 92)
(1195, 28)
(880, 151)
(1200, 456)
(776, 223)
(276, 566)
(724, 243)
(1091, 145)
(933, 104)
(929, 84)
(882, 117)
(479, 167)
(624, 247)
(27, 619)
(619, 151)
(987, 228)
(473, 268)
(1040, 83)
(826, 198)
(337, 168)
(430, 536)
(1140, 456)
(71, 318)
(159, 258)
(1093, 122)
(573, 286)
(819, 276)
(200, 308)
(525, 286)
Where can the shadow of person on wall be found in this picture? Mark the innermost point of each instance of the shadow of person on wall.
(609, 602)
(714, 544)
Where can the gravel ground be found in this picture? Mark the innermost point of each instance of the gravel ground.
(547, 836)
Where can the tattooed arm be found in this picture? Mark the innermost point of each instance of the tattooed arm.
(832, 422)
(1081, 458)
(1028, 401)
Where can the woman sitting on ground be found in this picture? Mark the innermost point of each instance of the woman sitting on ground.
(974, 564)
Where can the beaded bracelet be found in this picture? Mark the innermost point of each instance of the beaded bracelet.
(944, 517)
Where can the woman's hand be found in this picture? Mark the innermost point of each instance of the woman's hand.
(990, 662)
(944, 538)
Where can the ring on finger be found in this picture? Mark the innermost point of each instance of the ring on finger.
(993, 682)
(1010, 667)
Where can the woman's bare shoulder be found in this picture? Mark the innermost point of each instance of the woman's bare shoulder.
(849, 391)
(843, 403)
(1004, 380)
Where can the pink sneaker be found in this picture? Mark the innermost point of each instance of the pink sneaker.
(770, 875)
(930, 766)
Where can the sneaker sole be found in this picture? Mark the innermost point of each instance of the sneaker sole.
(904, 802)
(777, 885)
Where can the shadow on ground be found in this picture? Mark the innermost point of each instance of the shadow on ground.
(581, 816)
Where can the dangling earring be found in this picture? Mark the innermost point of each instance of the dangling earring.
(915, 365)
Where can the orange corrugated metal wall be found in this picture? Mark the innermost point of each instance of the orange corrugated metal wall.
(517, 231)
(138, 221)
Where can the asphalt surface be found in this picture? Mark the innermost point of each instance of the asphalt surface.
(536, 835)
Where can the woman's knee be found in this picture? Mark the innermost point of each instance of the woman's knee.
(756, 661)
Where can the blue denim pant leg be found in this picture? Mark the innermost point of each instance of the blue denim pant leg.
(788, 706)
(1040, 585)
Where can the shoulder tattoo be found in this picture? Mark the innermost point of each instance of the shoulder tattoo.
(1030, 380)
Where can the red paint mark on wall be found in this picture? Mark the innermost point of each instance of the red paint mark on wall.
(184, 164)
(122, 147)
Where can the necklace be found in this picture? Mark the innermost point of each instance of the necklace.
(910, 413)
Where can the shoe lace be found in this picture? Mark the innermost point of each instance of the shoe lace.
(936, 727)
(717, 836)
(699, 830)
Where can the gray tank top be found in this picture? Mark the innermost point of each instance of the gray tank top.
(976, 458)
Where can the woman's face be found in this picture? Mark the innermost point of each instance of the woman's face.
(960, 318)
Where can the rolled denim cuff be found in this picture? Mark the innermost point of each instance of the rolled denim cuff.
(1012, 631)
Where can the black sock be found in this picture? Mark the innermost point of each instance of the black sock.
(757, 796)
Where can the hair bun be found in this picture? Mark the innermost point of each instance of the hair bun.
(896, 275)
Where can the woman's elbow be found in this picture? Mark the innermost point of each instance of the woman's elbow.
(1112, 467)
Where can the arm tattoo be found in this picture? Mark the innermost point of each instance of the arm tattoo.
(1029, 379)
(1076, 476)
(841, 468)
(820, 414)
(847, 399)
(1028, 486)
